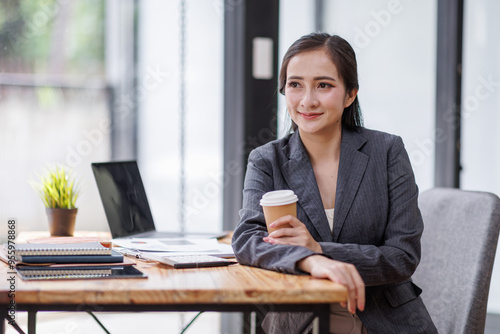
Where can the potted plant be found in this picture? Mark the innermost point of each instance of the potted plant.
(59, 193)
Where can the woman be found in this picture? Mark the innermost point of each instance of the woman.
(357, 222)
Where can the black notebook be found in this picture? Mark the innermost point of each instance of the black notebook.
(114, 257)
(78, 272)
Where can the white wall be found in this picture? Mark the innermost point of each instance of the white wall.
(296, 19)
(480, 105)
(396, 65)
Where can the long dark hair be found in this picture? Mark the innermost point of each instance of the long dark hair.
(342, 55)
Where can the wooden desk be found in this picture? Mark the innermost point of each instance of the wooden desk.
(235, 288)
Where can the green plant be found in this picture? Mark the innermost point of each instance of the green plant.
(57, 188)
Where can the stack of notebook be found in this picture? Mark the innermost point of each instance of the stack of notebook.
(68, 261)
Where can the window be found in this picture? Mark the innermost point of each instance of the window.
(66, 70)
(53, 103)
(171, 105)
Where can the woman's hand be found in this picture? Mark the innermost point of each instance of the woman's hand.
(292, 232)
(339, 272)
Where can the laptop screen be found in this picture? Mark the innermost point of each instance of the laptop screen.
(123, 197)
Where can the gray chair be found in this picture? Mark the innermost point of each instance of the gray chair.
(458, 249)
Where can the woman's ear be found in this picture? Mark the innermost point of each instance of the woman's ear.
(349, 97)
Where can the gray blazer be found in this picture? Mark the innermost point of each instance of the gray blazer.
(377, 224)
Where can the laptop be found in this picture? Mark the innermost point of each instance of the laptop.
(126, 205)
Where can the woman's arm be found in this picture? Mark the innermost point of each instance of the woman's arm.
(339, 272)
(248, 244)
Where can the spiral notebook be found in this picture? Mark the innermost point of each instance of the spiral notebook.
(84, 248)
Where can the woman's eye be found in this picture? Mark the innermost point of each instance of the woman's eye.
(324, 85)
(293, 84)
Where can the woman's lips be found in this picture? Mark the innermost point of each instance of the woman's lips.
(309, 115)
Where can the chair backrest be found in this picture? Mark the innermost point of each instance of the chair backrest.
(458, 249)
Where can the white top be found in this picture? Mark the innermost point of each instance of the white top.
(329, 216)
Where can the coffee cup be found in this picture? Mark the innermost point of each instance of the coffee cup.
(276, 204)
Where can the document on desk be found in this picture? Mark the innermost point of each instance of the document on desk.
(225, 251)
(169, 244)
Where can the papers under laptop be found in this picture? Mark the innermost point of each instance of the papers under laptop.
(129, 216)
(154, 249)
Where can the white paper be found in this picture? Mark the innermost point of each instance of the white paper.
(225, 251)
(169, 245)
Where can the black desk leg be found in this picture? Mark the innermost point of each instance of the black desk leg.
(252, 322)
(4, 317)
(31, 322)
(324, 319)
(247, 322)
(259, 317)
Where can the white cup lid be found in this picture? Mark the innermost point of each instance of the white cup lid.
(278, 197)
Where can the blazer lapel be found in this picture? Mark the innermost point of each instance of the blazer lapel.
(299, 176)
(352, 166)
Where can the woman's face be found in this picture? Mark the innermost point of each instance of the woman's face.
(315, 95)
